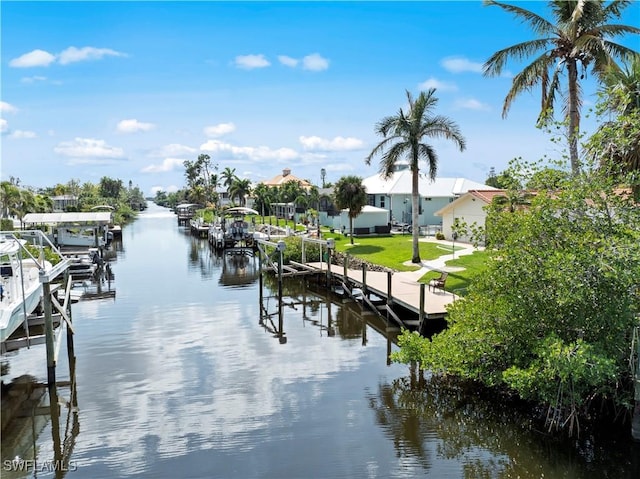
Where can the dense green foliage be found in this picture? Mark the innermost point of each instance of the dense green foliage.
(551, 317)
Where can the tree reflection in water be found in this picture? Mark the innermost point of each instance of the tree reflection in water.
(443, 419)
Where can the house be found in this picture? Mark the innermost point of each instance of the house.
(286, 176)
(371, 220)
(394, 194)
(468, 208)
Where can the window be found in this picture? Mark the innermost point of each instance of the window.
(371, 200)
(382, 201)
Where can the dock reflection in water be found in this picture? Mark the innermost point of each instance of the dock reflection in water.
(177, 379)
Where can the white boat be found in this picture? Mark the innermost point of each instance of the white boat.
(21, 289)
(81, 236)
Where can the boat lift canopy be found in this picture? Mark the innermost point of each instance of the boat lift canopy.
(76, 218)
(241, 210)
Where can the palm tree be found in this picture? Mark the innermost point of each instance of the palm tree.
(350, 194)
(240, 189)
(578, 37)
(404, 136)
(228, 176)
(263, 196)
(617, 142)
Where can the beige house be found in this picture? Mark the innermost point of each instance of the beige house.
(286, 176)
(470, 208)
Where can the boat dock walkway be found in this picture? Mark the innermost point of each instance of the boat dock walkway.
(395, 288)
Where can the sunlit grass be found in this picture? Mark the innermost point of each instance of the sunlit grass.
(458, 282)
(390, 251)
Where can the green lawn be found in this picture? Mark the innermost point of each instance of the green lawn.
(390, 251)
(458, 282)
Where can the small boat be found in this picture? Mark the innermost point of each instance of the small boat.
(238, 232)
(20, 287)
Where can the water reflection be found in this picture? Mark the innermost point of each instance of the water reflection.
(442, 422)
(28, 406)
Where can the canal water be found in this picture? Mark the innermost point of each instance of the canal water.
(179, 375)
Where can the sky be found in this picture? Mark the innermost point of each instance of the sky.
(131, 90)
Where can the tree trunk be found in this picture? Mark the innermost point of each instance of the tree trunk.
(574, 117)
(351, 228)
(415, 222)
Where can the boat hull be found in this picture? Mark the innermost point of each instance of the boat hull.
(12, 313)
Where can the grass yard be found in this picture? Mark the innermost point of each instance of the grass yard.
(390, 251)
(459, 281)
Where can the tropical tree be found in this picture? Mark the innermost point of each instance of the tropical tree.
(404, 137)
(616, 144)
(263, 196)
(228, 176)
(240, 189)
(9, 199)
(578, 37)
(551, 317)
(350, 194)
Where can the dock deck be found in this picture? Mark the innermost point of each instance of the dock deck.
(404, 292)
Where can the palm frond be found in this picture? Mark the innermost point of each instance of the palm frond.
(536, 22)
(389, 159)
(536, 72)
(496, 63)
(429, 153)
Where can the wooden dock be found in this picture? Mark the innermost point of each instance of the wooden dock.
(404, 292)
(396, 297)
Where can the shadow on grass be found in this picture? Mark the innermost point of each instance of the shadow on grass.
(363, 249)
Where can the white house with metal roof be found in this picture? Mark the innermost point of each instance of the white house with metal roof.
(394, 194)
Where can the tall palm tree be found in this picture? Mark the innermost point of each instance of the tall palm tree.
(350, 194)
(240, 189)
(404, 135)
(228, 176)
(577, 37)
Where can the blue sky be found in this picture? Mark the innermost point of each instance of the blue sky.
(132, 89)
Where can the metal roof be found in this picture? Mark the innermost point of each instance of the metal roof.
(399, 183)
(94, 217)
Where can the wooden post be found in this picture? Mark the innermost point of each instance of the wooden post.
(304, 256)
(280, 277)
(364, 279)
(389, 297)
(48, 327)
(345, 266)
(260, 277)
(421, 313)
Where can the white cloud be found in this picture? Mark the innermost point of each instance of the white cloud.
(35, 58)
(42, 58)
(219, 129)
(249, 152)
(7, 107)
(461, 64)
(33, 79)
(339, 143)
(4, 126)
(173, 150)
(435, 83)
(315, 62)
(288, 61)
(89, 150)
(249, 62)
(134, 126)
(472, 104)
(73, 54)
(166, 189)
(22, 134)
(169, 164)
